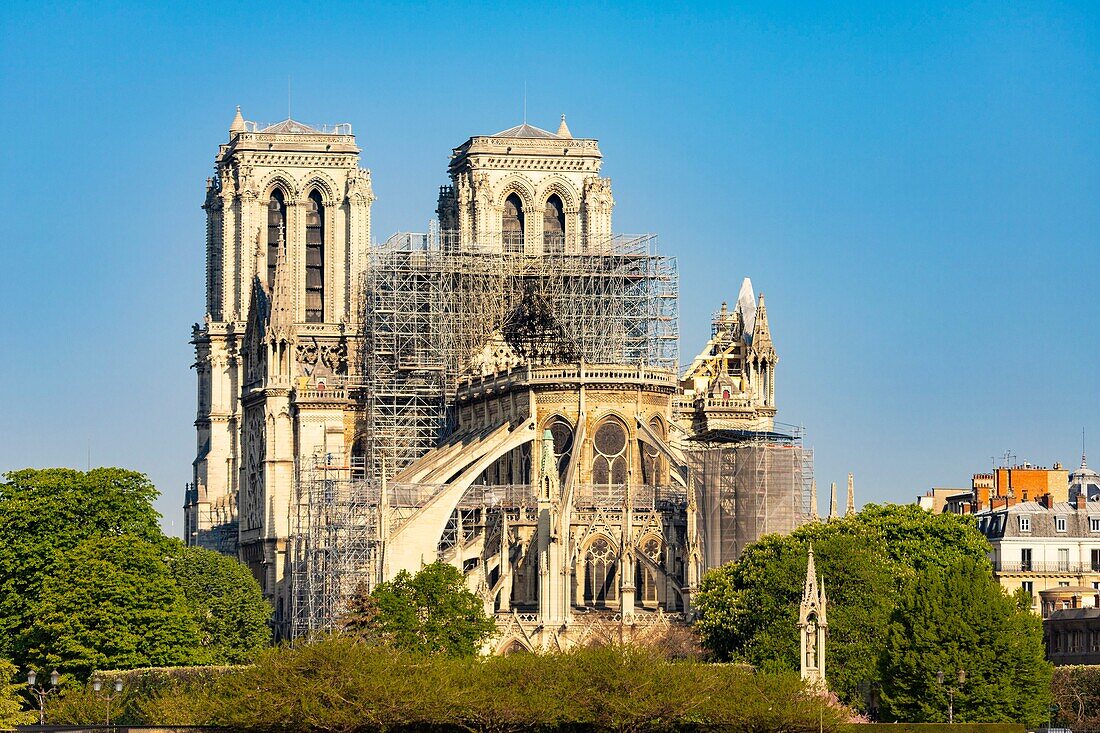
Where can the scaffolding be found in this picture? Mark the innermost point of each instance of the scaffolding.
(430, 307)
(754, 486)
(337, 549)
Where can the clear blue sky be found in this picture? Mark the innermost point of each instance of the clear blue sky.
(915, 189)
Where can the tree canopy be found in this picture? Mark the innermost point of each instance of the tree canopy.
(11, 698)
(88, 580)
(46, 513)
(869, 561)
(224, 600)
(958, 619)
(112, 603)
(431, 612)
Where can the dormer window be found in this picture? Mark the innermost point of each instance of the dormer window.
(1060, 524)
(1025, 524)
(1094, 524)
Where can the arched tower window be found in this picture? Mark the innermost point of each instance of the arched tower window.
(609, 461)
(512, 225)
(315, 258)
(599, 573)
(276, 232)
(553, 225)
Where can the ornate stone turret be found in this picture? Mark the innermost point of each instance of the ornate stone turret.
(813, 625)
(832, 501)
(563, 129)
(851, 508)
(238, 123)
(813, 500)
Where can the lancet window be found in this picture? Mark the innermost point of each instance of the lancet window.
(512, 225)
(553, 225)
(599, 573)
(646, 577)
(315, 258)
(609, 461)
(652, 461)
(276, 232)
(563, 443)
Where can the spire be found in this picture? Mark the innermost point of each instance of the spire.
(761, 334)
(238, 123)
(747, 306)
(832, 501)
(809, 590)
(812, 625)
(813, 500)
(281, 314)
(851, 508)
(563, 129)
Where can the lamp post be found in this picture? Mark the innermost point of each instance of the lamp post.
(951, 693)
(97, 686)
(41, 692)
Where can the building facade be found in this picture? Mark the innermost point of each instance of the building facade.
(501, 393)
(1044, 546)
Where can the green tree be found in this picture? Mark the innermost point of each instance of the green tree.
(431, 612)
(46, 513)
(959, 618)
(111, 602)
(916, 539)
(11, 698)
(225, 601)
(749, 608)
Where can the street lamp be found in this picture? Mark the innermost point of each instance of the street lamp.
(951, 693)
(41, 692)
(97, 686)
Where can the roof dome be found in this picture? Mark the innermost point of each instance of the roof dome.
(1085, 480)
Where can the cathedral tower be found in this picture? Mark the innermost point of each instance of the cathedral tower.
(287, 236)
(528, 191)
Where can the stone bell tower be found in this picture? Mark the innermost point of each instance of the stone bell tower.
(287, 237)
(527, 191)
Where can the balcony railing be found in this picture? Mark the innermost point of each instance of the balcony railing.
(1055, 567)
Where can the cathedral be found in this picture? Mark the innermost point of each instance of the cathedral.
(502, 392)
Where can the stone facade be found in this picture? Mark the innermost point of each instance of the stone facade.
(573, 493)
(1044, 546)
(288, 232)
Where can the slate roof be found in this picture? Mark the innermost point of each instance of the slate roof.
(529, 131)
(289, 127)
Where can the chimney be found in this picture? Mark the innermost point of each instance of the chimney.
(1044, 501)
(1079, 501)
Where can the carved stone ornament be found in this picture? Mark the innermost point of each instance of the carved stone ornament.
(359, 189)
(335, 356)
(307, 354)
